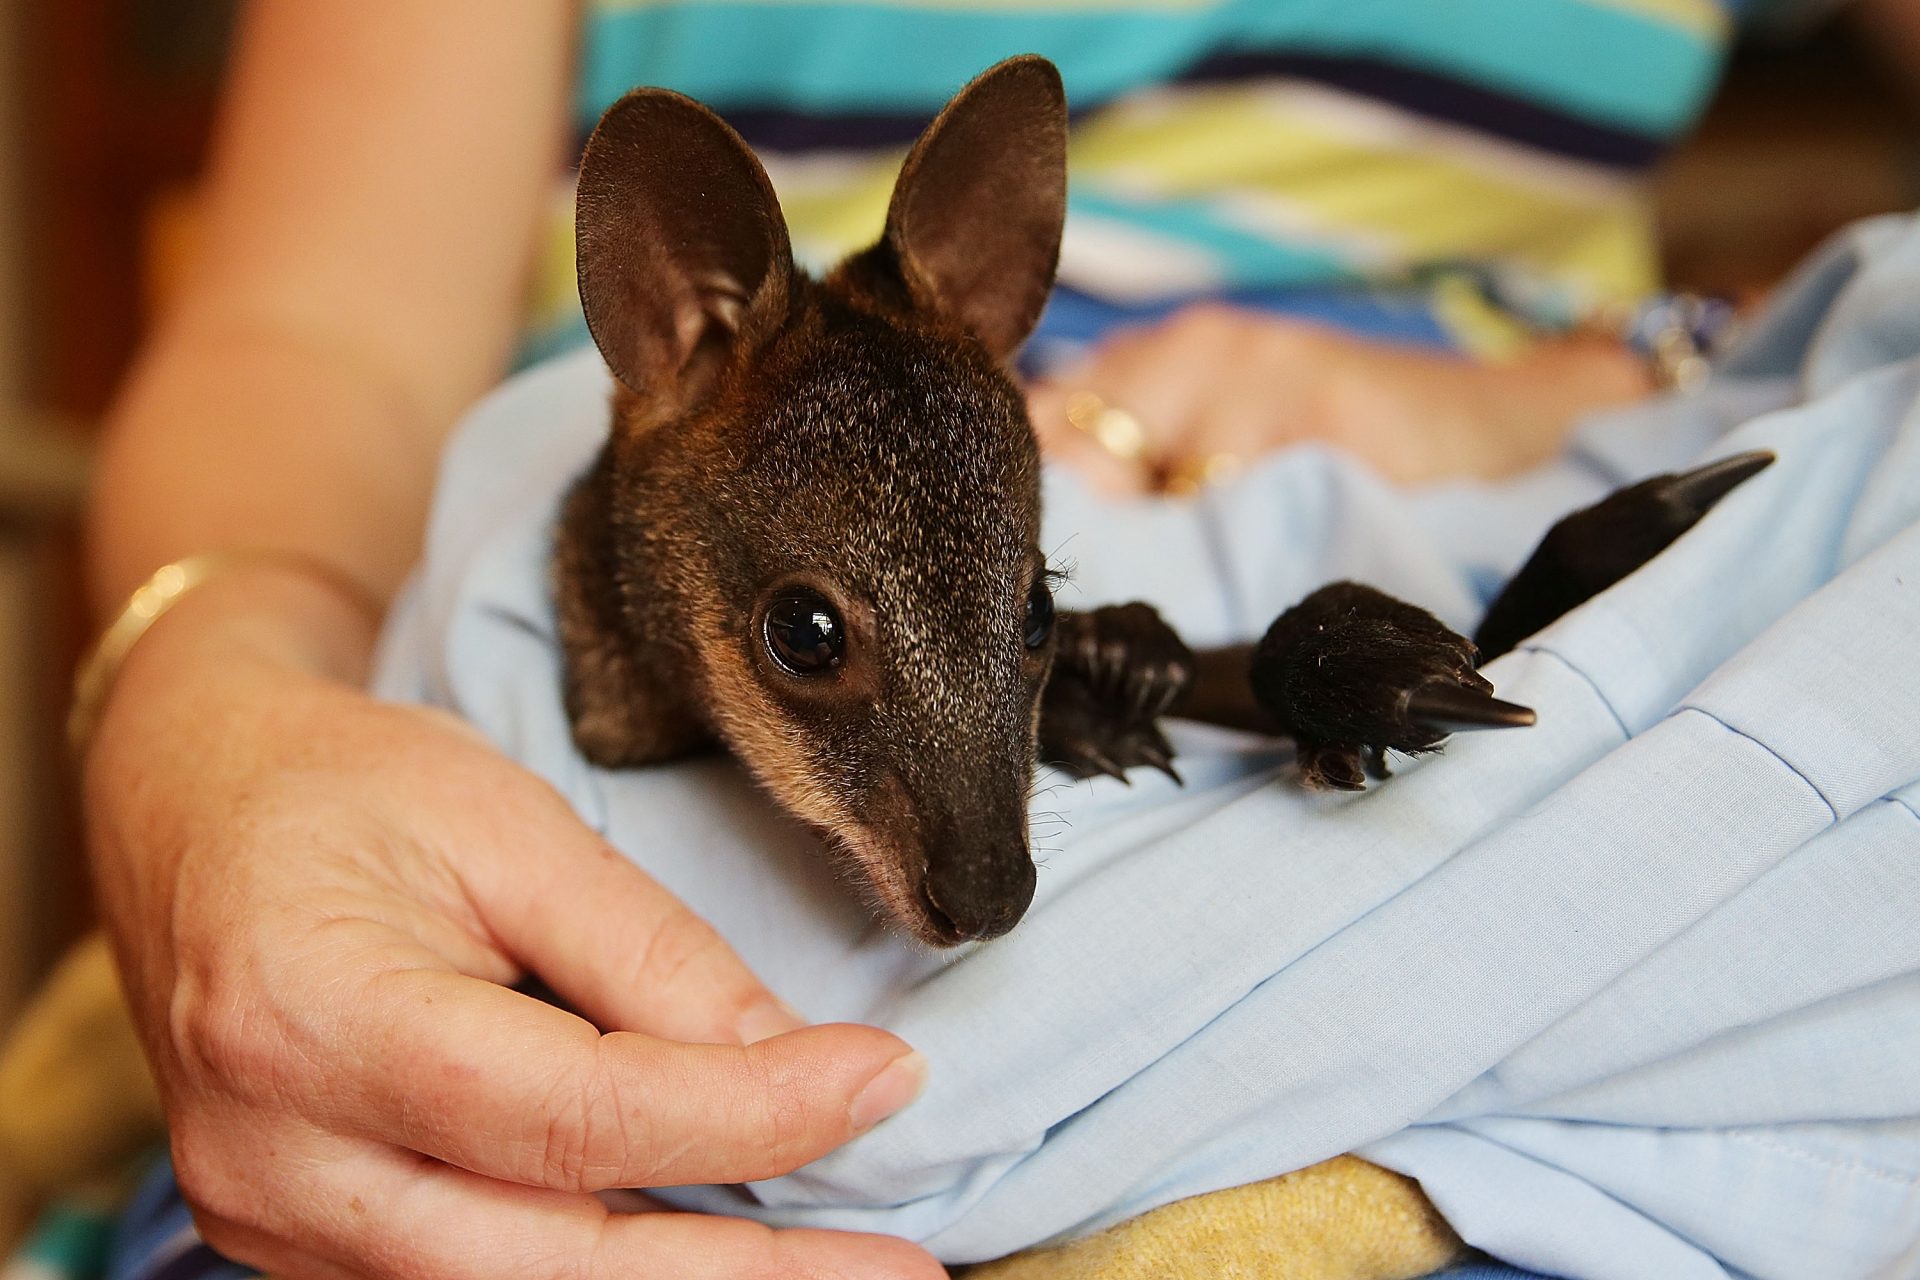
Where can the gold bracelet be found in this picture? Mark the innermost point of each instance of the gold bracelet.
(94, 679)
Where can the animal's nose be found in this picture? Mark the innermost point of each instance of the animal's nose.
(979, 896)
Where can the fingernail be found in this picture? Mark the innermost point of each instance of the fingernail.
(766, 1020)
(890, 1091)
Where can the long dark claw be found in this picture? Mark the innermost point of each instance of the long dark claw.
(1453, 708)
(1158, 756)
(1700, 488)
(1597, 546)
(1104, 763)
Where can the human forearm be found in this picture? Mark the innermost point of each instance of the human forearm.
(354, 288)
(1523, 411)
(251, 434)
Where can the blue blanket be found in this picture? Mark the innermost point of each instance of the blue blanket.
(1633, 993)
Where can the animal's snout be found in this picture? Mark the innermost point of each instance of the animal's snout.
(978, 895)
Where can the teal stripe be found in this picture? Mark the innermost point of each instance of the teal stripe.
(1242, 258)
(557, 338)
(1624, 69)
(71, 1239)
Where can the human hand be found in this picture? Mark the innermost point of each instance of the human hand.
(1213, 387)
(316, 897)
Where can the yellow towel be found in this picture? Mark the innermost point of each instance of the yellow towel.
(1343, 1219)
(76, 1100)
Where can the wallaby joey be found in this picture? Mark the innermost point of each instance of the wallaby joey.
(812, 535)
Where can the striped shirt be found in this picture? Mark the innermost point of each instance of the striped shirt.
(1221, 146)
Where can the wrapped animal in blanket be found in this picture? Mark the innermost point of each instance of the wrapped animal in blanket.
(829, 494)
(813, 537)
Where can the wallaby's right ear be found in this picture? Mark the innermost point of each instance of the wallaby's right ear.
(683, 254)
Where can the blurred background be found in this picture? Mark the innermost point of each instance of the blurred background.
(105, 109)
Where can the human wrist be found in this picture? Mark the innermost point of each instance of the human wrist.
(286, 611)
(1527, 407)
(258, 619)
(1582, 371)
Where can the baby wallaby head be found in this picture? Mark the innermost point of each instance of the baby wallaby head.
(814, 531)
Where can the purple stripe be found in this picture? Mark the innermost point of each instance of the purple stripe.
(198, 1263)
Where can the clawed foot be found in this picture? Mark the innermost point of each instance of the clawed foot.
(1350, 673)
(1116, 671)
(1594, 548)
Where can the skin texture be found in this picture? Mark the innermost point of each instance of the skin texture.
(1214, 379)
(453, 1126)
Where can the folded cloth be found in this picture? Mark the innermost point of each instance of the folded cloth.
(1633, 993)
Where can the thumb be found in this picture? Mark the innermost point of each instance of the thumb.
(518, 1090)
(614, 943)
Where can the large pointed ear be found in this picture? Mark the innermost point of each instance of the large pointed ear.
(683, 255)
(976, 215)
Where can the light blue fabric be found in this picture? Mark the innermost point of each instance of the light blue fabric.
(1634, 993)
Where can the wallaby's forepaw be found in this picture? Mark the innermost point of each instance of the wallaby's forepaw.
(1350, 673)
(1592, 549)
(1115, 672)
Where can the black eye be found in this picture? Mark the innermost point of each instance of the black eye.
(804, 634)
(1039, 613)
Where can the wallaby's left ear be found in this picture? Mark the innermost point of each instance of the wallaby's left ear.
(975, 221)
